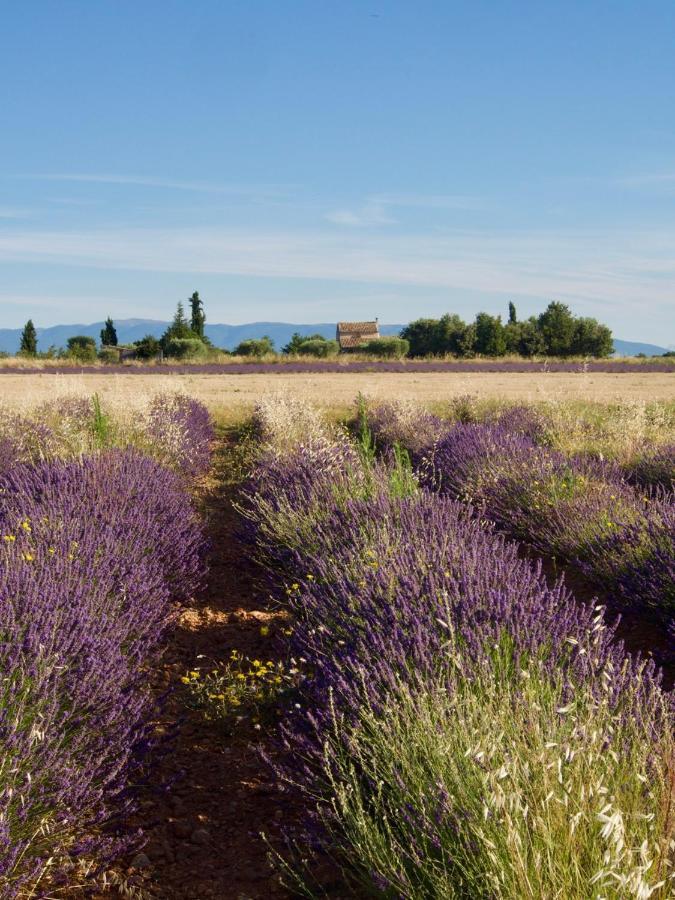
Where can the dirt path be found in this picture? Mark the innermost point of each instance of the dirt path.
(203, 832)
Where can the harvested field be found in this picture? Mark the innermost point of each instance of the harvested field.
(240, 392)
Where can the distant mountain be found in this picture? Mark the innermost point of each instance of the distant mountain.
(130, 330)
(227, 336)
(632, 348)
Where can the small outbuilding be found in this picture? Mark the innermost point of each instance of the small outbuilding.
(352, 335)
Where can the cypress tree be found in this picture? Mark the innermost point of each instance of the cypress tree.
(109, 334)
(29, 339)
(198, 317)
(513, 319)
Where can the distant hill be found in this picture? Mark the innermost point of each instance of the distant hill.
(227, 336)
(632, 348)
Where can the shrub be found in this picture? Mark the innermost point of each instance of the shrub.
(185, 348)
(180, 432)
(463, 729)
(148, 347)
(82, 347)
(320, 348)
(255, 347)
(108, 355)
(405, 424)
(387, 347)
(654, 466)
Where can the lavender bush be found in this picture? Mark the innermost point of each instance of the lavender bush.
(654, 467)
(92, 554)
(463, 729)
(180, 433)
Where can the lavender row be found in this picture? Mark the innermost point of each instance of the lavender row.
(175, 429)
(360, 366)
(577, 509)
(93, 553)
(403, 601)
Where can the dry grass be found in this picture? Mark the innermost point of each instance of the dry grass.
(232, 396)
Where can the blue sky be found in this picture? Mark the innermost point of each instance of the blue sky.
(308, 161)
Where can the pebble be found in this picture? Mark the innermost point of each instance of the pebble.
(141, 861)
(200, 836)
(182, 829)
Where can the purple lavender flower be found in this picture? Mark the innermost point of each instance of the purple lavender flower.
(92, 553)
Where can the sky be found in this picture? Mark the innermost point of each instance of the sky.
(328, 159)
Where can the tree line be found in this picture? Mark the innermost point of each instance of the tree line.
(555, 332)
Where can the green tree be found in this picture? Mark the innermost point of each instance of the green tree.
(28, 345)
(530, 339)
(82, 347)
(591, 338)
(148, 347)
(109, 334)
(319, 347)
(513, 318)
(451, 335)
(197, 318)
(260, 347)
(490, 337)
(557, 327)
(297, 340)
(435, 337)
(178, 329)
(387, 347)
(422, 336)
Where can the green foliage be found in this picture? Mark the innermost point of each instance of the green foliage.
(101, 425)
(255, 347)
(297, 340)
(240, 690)
(387, 347)
(365, 442)
(556, 332)
(590, 338)
(311, 345)
(490, 336)
(148, 347)
(179, 329)
(197, 316)
(28, 346)
(185, 348)
(557, 327)
(319, 347)
(108, 355)
(546, 810)
(109, 334)
(82, 347)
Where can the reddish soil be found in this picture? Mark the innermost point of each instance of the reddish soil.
(204, 830)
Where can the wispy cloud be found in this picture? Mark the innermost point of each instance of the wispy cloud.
(13, 212)
(204, 187)
(629, 269)
(378, 209)
(372, 213)
(654, 179)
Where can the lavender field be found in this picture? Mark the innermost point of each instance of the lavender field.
(291, 365)
(438, 696)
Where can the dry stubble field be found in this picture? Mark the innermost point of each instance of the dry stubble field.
(230, 394)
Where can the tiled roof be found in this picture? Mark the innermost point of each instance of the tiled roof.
(353, 340)
(357, 328)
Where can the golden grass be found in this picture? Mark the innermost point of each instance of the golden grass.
(232, 396)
